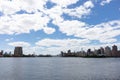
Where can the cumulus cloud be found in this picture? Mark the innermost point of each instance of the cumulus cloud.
(104, 32)
(71, 27)
(19, 43)
(80, 11)
(54, 46)
(64, 3)
(22, 23)
(48, 30)
(61, 42)
(105, 2)
(11, 7)
(35, 15)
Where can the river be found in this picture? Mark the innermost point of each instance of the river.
(57, 68)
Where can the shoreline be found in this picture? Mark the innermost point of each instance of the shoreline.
(62, 57)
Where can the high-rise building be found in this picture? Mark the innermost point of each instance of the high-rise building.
(114, 51)
(88, 52)
(1, 53)
(99, 52)
(102, 50)
(18, 52)
(108, 51)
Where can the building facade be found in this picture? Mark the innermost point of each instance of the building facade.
(1, 53)
(18, 52)
(114, 51)
(108, 51)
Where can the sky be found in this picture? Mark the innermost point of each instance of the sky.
(51, 26)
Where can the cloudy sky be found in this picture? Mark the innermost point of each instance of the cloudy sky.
(51, 26)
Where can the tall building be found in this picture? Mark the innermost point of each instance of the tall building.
(88, 52)
(99, 52)
(18, 52)
(114, 51)
(108, 51)
(1, 53)
(102, 50)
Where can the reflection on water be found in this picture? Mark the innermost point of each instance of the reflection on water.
(59, 68)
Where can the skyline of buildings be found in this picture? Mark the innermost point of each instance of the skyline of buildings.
(101, 52)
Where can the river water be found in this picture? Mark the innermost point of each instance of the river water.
(56, 68)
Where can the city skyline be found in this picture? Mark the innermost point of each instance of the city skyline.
(51, 26)
(101, 52)
(108, 51)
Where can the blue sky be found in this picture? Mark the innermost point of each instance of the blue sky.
(51, 26)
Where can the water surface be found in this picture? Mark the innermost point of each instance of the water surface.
(59, 68)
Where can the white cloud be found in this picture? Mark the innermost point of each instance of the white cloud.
(8, 7)
(54, 46)
(24, 23)
(61, 42)
(11, 7)
(80, 11)
(48, 30)
(12, 23)
(105, 2)
(19, 43)
(104, 32)
(64, 3)
(112, 40)
(9, 39)
(55, 13)
(71, 27)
